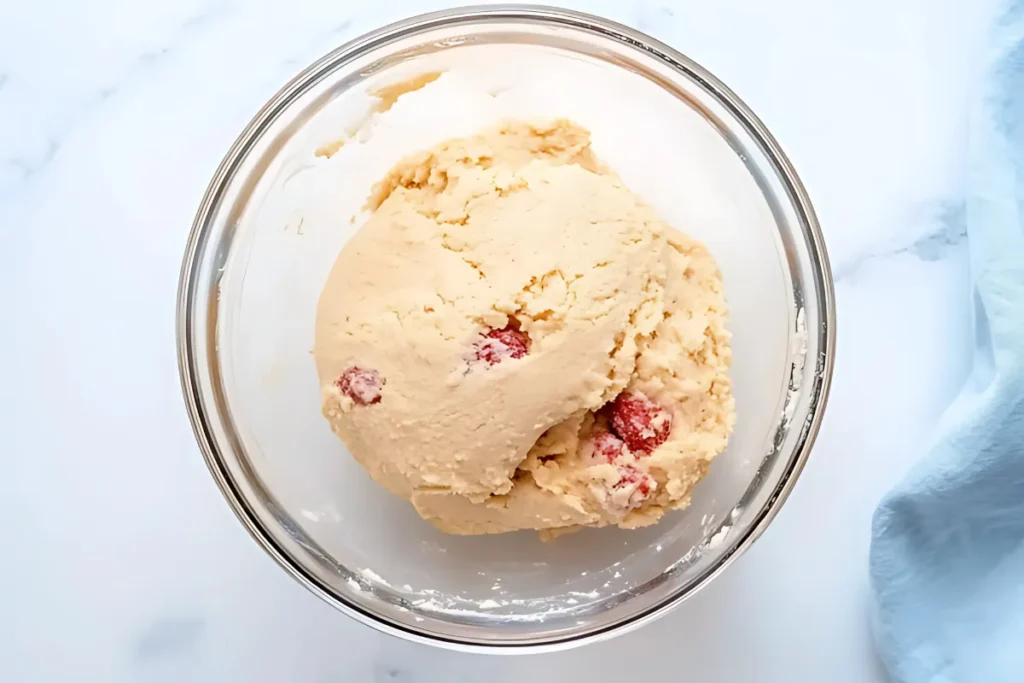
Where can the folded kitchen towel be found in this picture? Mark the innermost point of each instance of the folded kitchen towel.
(947, 551)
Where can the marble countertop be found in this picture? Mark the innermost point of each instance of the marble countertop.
(121, 560)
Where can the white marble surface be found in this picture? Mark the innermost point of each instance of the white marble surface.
(120, 560)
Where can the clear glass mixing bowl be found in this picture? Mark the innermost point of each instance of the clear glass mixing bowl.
(253, 270)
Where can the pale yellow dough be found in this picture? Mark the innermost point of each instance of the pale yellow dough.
(522, 223)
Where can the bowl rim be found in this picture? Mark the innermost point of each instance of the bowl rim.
(558, 17)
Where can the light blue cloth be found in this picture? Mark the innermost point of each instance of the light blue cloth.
(947, 552)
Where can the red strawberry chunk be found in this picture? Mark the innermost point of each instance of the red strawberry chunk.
(640, 422)
(629, 474)
(361, 385)
(607, 447)
(638, 483)
(499, 345)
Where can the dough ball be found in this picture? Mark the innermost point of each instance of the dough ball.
(514, 340)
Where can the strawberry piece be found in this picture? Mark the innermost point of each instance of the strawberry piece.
(361, 385)
(639, 483)
(499, 345)
(640, 422)
(607, 446)
(629, 474)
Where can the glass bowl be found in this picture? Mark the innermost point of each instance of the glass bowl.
(258, 255)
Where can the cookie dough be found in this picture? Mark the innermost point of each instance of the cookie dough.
(514, 340)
